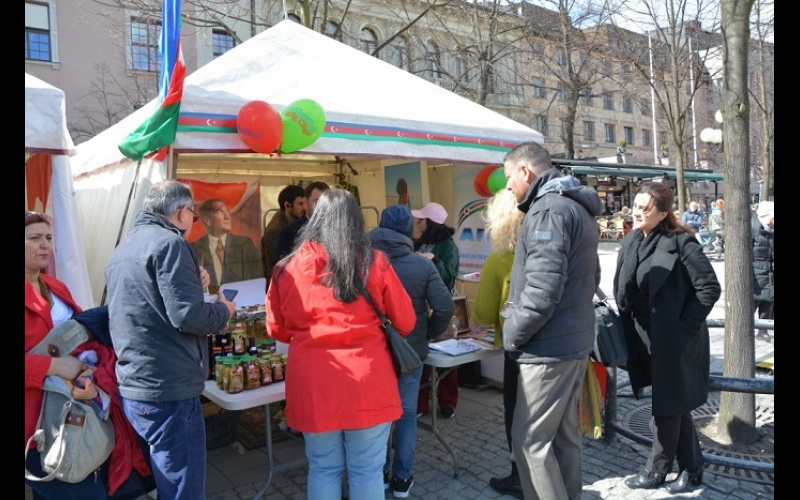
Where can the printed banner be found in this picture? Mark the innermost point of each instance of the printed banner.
(470, 193)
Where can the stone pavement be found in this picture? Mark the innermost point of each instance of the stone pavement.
(477, 434)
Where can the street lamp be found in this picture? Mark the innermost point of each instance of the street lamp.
(714, 135)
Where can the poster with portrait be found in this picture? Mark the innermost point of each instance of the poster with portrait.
(403, 185)
(227, 234)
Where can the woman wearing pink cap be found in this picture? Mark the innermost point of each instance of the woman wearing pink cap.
(435, 242)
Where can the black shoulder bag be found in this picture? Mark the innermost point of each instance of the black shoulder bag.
(404, 357)
(610, 345)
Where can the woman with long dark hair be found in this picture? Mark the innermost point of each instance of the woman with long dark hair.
(665, 287)
(341, 389)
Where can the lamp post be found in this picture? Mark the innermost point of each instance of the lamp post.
(714, 135)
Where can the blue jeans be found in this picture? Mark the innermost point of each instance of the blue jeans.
(405, 429)
(362, 451)
(176, 434)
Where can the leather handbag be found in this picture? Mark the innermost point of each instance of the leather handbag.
(70, 435)
(404, 357)
(610, 346)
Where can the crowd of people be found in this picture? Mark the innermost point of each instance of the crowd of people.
(357, 418)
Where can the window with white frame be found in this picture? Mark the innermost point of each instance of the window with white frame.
(608, 100)
(433, 60)
(401, 55)
(627, 104)
(221, 42)
(586, 98)
(37, 32)
(611, 133)
(646, 137)
(540, 124)
(628, 131)
(333, 30)
(537, 88)
(588, 131)
(368, 41)
(145, 33)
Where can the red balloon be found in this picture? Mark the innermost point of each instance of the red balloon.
(481, 182)
(260, 127)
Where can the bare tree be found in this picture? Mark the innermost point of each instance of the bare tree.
(676, 27)
(737, 410)
(763, 95)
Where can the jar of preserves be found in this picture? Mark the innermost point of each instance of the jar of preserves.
(252, 374)
(265, 367)
(236, 377)
(277, 369)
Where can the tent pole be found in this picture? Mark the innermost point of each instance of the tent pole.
(124, 218)
(171, 171)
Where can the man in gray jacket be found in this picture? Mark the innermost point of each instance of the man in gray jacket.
(158, 321)
(427, 290)
(549, 323)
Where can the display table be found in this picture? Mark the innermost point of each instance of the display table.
(446, 363)
(263, 396)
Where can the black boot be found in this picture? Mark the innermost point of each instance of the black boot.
(509, 484)
(685, 478)
(645, 479)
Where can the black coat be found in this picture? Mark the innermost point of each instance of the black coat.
(683, 290)
(763, 262)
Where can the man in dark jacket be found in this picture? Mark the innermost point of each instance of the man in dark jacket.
(692, 217)
(427, 290)
(549, 323)
(159, 321)
(288, 235)
(763, 229)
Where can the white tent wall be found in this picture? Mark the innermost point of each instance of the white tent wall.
(46, 133)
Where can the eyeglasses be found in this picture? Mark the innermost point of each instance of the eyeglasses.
(195, 217)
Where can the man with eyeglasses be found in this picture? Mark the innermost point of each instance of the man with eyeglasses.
(159, 320)
(227, 256)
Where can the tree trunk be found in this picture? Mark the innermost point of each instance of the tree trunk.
(737, 410)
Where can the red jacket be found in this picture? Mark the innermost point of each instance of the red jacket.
(339, 371)
(126, 454)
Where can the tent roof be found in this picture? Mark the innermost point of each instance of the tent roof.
(45, 119)
(372, 108)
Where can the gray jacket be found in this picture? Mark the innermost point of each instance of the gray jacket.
(157, 317)
(422, 283)
(556, 271)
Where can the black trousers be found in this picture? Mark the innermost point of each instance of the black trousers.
(674, 436)
(510, 382)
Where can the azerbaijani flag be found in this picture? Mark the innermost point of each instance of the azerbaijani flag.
(160, 129)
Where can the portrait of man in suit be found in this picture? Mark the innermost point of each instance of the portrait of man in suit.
(226, 256)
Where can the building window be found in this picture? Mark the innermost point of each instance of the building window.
(540, 124)
(462, 70)
(586, 98)
(433, 61)
(561, 58)
(588, 131)
(537, 88)
(294, 18)
(221, 42)
(144, 44)
(646, 138)
(490, 79)
(401, 57)
(611, 135)
(536, 51)
(662, 138)
(608, 101)
(369, 41)
(628, 131)
(627, 104)
(562, 127)
(332, 30)
(644, 106)
(561, 93)
(626, 71)
(37, 32)
(605, 67)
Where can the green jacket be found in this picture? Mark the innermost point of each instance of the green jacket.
(445, 258)
(493, 292)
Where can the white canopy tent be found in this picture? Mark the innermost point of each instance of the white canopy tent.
(373, 111)
(46, 134)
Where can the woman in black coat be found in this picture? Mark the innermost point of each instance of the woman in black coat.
(665, 287)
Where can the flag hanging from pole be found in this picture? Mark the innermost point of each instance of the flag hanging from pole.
(160, 129)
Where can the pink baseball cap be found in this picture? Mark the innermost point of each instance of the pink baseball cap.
(432, 211)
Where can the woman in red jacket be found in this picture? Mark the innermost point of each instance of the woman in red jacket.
(341, 389)
(48, 302)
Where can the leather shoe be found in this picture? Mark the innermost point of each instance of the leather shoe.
(685, 478)
(508, 484)
(645, 479)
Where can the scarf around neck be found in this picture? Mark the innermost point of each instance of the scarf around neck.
(640, 249)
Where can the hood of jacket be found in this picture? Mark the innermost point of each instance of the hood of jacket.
(553, 182)
(390, 242)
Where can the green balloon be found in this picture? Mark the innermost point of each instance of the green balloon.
(496, 181)
(303, 123)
